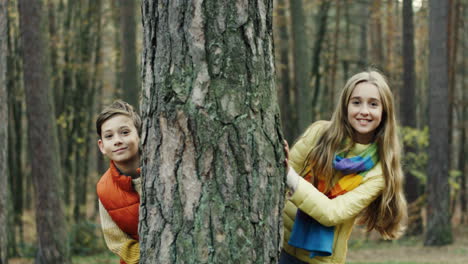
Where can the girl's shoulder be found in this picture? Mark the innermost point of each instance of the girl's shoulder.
(316, 129)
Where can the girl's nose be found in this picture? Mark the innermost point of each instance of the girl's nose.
(364, 110)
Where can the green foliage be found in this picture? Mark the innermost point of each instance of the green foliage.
(86, 239)
(415, 161)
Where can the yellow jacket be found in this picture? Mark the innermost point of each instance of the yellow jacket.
(340, 212)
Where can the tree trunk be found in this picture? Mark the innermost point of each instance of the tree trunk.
(302, 87)
(408, 111)
(334, 64)
(463, 158)
(322, 18)
(3, 134)
(51, 232)
(17, 175)
(212, 163)
(285, 90)
(376, 40)
(390, 37)
(438, 214)
(347, 40)
(363, 49)
(130, 85)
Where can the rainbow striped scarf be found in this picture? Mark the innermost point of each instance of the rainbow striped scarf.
(309, 234)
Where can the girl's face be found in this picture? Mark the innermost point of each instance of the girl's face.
(365, 111)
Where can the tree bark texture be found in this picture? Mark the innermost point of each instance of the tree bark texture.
(129, 77)
(438, 214)
(3, 133)
(45, 169)
(212, 162)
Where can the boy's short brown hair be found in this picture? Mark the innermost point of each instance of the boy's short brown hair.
(118, 107)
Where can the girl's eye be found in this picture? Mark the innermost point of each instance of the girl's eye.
(375, 104)
(107, 136)
(125, 132)
(355, 102)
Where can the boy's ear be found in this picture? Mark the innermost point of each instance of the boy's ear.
(101, 146)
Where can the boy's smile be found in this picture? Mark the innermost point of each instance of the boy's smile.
(120, 141)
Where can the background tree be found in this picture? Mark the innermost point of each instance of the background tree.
(213, 173)
(439, 230)
(408, 117)
(3, 134)
(52, 239)
(303, 92)
(129, 77)
(284, 70)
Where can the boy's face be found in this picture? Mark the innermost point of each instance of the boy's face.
(119, 139)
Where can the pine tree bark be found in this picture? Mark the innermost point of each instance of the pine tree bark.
(3, 134)
(212, 162)
(438, 192)
(45, 169)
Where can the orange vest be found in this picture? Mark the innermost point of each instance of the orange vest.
(119, 198)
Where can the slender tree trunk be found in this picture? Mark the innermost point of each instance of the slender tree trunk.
(129, 77)
(322, 18)
(4, 212)
(408, 113)
(376, 40)
(463, 158)
(438, 215)
(347, 40)
(16, 172)
(116, 21)
(212, 172)
(334, 64)
(390, 37)
(363, 49)
(302, 87)
(51, 229)
(288, 116)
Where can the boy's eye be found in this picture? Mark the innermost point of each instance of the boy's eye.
(125, 132)
(107, 136)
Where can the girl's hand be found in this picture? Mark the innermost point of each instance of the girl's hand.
(286, 153)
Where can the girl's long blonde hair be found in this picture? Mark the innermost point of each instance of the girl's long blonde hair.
(388, 213)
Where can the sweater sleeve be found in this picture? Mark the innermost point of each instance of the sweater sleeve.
(331, 212)
(127, 248)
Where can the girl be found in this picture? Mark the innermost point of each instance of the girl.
(348, 166)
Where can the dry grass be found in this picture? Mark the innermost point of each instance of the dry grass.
(409, 250)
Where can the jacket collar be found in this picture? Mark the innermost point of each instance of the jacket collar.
(122, 180)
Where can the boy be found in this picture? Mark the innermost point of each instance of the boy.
(119, 189)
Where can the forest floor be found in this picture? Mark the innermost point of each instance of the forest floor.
(408, 250)
(368, 249)
(361, 250)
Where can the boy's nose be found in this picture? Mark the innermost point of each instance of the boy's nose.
(117, 140)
